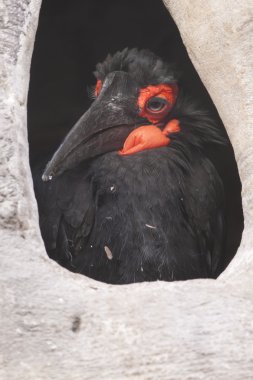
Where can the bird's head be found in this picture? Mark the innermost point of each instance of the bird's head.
(135, 89)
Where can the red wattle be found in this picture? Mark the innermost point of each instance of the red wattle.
(148, 137)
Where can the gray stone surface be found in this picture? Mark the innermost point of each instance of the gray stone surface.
(218, 35)
(57, 325)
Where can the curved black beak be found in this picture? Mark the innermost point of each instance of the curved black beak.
(103, 128)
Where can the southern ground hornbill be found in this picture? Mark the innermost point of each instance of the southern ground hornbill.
(130, 195)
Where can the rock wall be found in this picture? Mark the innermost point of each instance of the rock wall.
(57, 325)
(218, 38)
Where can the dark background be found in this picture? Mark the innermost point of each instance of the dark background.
(72, 37)
(75, 35)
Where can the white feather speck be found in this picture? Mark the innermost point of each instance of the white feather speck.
(108, 253)
(149, 226)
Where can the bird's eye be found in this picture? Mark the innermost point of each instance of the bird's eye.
(156, 104)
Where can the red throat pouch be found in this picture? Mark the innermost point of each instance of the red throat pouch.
(149, 137)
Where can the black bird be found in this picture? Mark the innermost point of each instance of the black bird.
(131, 195)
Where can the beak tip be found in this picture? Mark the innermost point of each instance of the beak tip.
(46, 178)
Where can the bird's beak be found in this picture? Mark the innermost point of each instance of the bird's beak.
(103, 128)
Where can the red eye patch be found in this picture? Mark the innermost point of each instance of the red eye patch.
(166, 92)
(98, 87)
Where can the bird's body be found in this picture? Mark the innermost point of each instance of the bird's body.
(157, 214)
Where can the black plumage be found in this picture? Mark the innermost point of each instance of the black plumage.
(154, 215)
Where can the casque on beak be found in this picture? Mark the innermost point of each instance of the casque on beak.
(103, 128)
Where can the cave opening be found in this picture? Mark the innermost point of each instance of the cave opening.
(72, 38)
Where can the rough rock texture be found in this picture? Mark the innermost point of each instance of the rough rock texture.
(218, 36)
(56, 325)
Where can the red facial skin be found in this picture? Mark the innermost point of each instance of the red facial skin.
(98, 87)
(150, 136)
(165, 91)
